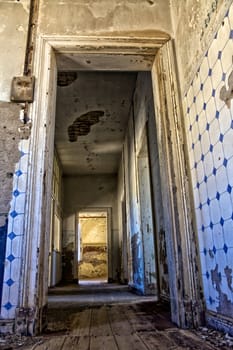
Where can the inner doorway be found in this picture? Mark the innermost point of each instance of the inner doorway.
(92, 247)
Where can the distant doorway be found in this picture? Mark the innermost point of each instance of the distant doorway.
(92, 247)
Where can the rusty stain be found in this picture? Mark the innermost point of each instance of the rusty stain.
(82, 125)
(228, 273)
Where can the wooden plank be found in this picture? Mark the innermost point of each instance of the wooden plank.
(100, 323)
(154, 341)
(74, 343)
(55, 343)
(140, 321)
(103, 343)
(81, 323)
(119, 323)
(130, 342)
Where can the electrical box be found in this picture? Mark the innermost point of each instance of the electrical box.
(22, 89)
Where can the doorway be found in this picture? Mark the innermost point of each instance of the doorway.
(128, 53)
(92, 246)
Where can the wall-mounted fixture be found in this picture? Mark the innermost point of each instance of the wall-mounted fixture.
(22, 89)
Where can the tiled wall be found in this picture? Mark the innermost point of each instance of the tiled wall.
(209, 127)
(13, 260)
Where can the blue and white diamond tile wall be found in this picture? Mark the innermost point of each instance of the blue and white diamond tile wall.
(209, 128)
(13, 259)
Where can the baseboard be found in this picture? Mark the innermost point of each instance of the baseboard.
(219, 322)
(7, 326)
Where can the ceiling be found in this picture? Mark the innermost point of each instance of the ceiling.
(91, 118)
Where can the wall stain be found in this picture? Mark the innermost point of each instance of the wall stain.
(66, 78)
(225, 94)
(137, 259)
(82, 125)
(225, 306)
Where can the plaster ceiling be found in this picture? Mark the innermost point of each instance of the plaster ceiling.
(91, 118)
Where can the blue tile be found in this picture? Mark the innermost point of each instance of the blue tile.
(205, 251)
(202, 157)
(204, 106)
(232, 124)
(211, 300)
(200, 206)
(221, 137)
(193, 145)
(10, 282)
(13, 214)
(10, 257)
(225, 162)
(211, 148)
(217, 115)
(195, 165)
(8, 306)
(231, 34)
(213, 92)
(203, 228)
(214, 172)
(219, 54)
(210, 72)
(188, 110)
(225, 248)
(11, 235)
(190, 128)
(223, 76)
(229, 188)
(201, 86)
(208, 201)
(207, 275)
(211, 225)
(207, 126)
(18, 173)
(194, 99)
(218, 196)
(16, 193)
(214, 249)
(221, 221)
(197, 117)
(198, 184)
(199, 137)
(205, 178)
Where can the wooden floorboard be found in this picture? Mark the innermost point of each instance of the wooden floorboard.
(99, 323)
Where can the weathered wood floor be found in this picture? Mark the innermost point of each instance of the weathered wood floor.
(143, 326)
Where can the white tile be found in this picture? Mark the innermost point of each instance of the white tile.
(195, 132)
(15, 269)
(225, 120)
(230, 171)
(215, 213)
(211, 187)
(24, 146)
(189, 97)
(196, 196)
(21, 183)
(205, 142)
(23, 163)
(221, 259)
(205, 212)
(202, 122)
(216, 74)
(14, 294)
(208, 239)
(228, 145)
(203, 192)
(7, 268)
(218, 236)
(226, 58)
(207, 89)
(218, 154)
(192, 114)
(230, 17)
(200, 172)
(226, 205)
(199, 102)
(208, 164)
(20, 203)
(219, 103)
(228, 233)
(197, 152)
(18, 223)
(229, 258)
(16, 246)
(223, 33)
(196, 85)
(213, 53)
(221, 180)
(204, 68)
(210, 110)
(198, 217)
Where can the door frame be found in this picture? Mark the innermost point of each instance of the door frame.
(185, 285)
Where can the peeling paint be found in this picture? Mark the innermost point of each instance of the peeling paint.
(225, 306)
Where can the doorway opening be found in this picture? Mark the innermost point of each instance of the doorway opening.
(92, 247)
